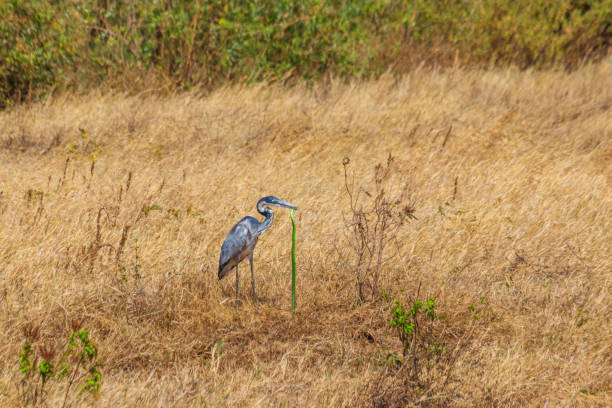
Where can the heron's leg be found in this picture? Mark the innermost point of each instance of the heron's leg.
(236, 305)
(252, 277)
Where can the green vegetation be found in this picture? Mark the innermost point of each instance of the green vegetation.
(408, 324)
(76, 362)
(68, 43)
(426, 355)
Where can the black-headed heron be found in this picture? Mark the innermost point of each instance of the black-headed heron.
(242, 238)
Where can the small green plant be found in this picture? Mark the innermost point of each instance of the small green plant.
(414, 329)
(415, 326)
(430, 348)
(75, 362)
(583, 317)
(476, 311)
(135, 268)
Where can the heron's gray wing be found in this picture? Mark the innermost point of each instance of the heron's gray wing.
(236, 245)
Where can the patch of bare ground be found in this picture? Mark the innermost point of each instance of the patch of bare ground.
(113, 209)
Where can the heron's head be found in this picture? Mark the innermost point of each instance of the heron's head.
(272, 201)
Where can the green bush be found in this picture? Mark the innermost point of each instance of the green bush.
(46, 44)
(523, 32)
(36, 47)
(214, 41)
(58, 364)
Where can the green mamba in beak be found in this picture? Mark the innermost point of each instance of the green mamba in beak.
(293, 262)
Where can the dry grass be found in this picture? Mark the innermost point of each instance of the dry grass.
(513, 204)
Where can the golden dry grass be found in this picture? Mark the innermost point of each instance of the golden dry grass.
(514, 205)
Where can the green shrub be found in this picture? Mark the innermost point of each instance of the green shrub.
(37, 46)
(58, 365)
(415, 329)
(45, 44)
(523, 32)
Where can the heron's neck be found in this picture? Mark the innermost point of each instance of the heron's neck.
(265, 224)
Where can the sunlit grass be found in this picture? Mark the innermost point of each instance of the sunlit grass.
(113, 209)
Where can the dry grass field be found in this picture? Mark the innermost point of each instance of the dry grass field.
(113, 209)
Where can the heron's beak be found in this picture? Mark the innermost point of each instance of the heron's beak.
(286, 204)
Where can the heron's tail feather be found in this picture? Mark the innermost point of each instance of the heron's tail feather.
(224, 269)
